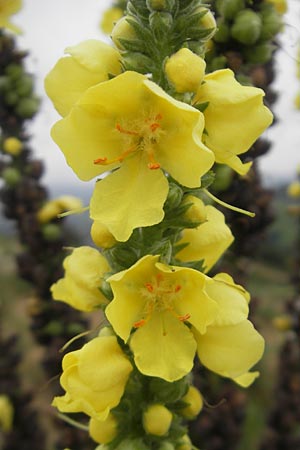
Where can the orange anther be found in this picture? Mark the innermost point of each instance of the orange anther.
(184, 318)
(158, 117)
(100, 161)
(153, 166)
(177, 288)
(149, 287)
(154, 126)
(122, 130)
(139, 324)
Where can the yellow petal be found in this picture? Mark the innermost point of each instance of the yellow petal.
(131, 197)
(208, 241)
(231, 300)
(246, 379)
(234, 118)
(180, 150)
(163, 347)
(128, 303)
(89, 64)
(230, 350)
(191, 298)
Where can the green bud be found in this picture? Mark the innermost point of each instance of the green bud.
(229, 8)
(217, 63)
(124, 257)
(223, 32)
(246, 27)
(166, 445)
(27, 107)
(259, 54)
(11, 176)
(166, 392)
(137, 62)
(5, 84)
(11, 98)
(51, 232)
(160, 5)
(174, 197)
(132, 444)
(24, 85)
(160, 23)
(14, 71)
(271, 25)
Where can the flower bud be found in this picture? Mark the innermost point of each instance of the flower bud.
(229, 8)
(174, 197)
(51, 232)
(246, 27)
(271, 24)
(160, 5)
(11, 176)
(13, 71)
(184, 443)
(109, 18)
(195, 403)
(27, 107)
(48, 212)
(222, 33)
(282, 323)
(13, 146)
(24, 85)
(5, 84)
(104, 431)
(166, 445)
(157, 420)
(185, 70)
(196, 212)
(6, 413)
(160, 23)
(279, 5)
(294, 189)
(123, 30)
(101, 235)
(259, 54)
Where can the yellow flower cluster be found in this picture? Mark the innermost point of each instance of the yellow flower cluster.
(157, 243)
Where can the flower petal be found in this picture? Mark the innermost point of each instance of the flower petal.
(231, 350)
(164, 347)
(128, 304)
(246, 379)
(131, 197)
(208, 241)
(234, 118)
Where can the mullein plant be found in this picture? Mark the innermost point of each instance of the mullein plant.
(145, 120)
(282, 428)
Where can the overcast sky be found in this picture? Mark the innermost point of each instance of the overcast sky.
(51, 25)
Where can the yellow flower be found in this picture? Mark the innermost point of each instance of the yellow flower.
(185, 70)
(94, 378)
(294, 189)
(52, 208)
(84, 270)
(157, 419)
(234, 118)
(89, 63)
(279, 5)
(101, 235)
(231, 345)
(12, 145)
(209, 240)
(103, 431)
(110, 16)
(194, 401)
(130, 124)
(9, 8)
(6, 413)
(156, 300)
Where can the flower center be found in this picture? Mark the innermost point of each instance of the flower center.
(140, 135)
(160, 294)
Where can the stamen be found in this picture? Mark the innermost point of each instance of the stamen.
(184, 318)
(152, 164)
(140, 323)
(122, 130)
(105, 162)
(149, 287)
(154, 126)
(177, 288)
